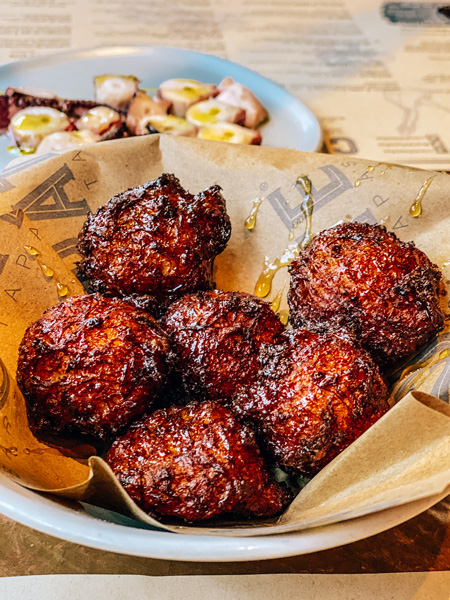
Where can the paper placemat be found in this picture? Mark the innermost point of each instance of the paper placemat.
(395, 586)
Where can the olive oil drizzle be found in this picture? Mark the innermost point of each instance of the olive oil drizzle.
(250, 221)
(292, 251)
(415, 209)
(20, 151)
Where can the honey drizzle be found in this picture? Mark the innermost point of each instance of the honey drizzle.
(48, 272)
(371, 168)
(264, 283)
(415, 210)
(250, 221)
(412, 369)
(307, 208)
(423, 369)
(31, 250)
(284, 316)
(63, 290)
(275, 304)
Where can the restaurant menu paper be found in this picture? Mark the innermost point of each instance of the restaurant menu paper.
(386, 586)
(404, 457)
(376, 73)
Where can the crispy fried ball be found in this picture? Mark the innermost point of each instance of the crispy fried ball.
(154, 243)
(315, 394)
(194, 463)
(361, 277)
(216, 337)
(91, 365)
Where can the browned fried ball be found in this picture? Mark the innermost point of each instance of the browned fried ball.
(216, 337)
(154, 243)
(91, 365)
(194, 463)
(363, 278)
(315, 394)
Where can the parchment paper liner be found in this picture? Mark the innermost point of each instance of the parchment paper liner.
(402, 458)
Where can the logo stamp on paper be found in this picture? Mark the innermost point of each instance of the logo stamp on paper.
(15, 217)
(5, 385)
(66, 247)
(338, 184)
(49, 200)
(3, 261)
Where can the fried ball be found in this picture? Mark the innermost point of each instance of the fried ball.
(315, 394)
(154, 243)
(194, 463)
(361, 277)
(216, 337)
(91, 365)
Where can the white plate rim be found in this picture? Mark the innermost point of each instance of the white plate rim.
(310, 124)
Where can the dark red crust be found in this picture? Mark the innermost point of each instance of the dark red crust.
(361, 277)
(315, 394)
(154, 243)
(216, 337)
(195, 463)
(91, 365)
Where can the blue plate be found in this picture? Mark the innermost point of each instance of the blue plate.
(70, 75)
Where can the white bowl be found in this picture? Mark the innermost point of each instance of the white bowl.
(120, 534)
